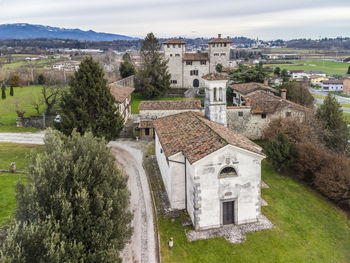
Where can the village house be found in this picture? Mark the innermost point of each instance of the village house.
(316, 80)
(346, 86)
(209, 170)
(186, 68)
(297, 74)
(122, 96)
(332, 85)
(259, 109)
(146, 130)
(239, 91)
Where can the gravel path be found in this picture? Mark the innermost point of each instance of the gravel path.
(142, 247)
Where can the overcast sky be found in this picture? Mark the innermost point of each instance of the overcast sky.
(265, 19)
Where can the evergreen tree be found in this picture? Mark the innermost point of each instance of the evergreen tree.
(336, 133)
(11, 91)
(74, 207)
(277, 71)
(218, 67)
(245, 73)
(89, 105)
(153, 79)
(281, 152)
(126, 69)
(298, 92)
(41, 79)
(3, 91)
(348, 70)
(284, 75)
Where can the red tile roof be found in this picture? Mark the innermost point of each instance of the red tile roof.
(120, 93)
(261, 102)
(174, 41)
(196, 56)
(170, 105)
(247, 88)
(197, 137)
(219, 40)
(215, 76)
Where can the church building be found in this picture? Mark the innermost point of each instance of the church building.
(208, 169)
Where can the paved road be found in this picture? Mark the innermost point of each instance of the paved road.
(27, 138)
(339, 98)
(142, 247)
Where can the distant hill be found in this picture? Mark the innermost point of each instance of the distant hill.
(28, 31)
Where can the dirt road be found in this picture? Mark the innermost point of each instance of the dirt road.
(142, 247)
(30, 138)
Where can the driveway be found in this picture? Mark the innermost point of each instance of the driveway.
(142, 247)
(27, 137)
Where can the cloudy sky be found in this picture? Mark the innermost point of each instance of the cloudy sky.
(265, 19)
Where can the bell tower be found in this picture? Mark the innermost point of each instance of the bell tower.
(215, 98)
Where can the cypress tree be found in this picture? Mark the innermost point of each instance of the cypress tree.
(126, 69)
(3, 91)
(74, 207)
(336, 133)
(153, 80)
(88, 105)
(11, 91)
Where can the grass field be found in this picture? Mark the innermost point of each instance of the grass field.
(23, 97)
(328, 67)
(308, 228)
(36, 64)
(347, 117)
(137, 98)
(346, 105)
(11, 152)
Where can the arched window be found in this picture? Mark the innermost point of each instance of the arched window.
(220, 94)
(228, 171)
(215, 94)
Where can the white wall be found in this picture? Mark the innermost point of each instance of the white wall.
(244, 188)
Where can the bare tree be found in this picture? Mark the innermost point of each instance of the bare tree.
(51, 95)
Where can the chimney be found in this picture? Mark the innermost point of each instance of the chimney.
(219, 35)
(283, 94)
(248, 102)
(266, 82)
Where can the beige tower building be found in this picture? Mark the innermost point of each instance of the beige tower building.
(188, 68)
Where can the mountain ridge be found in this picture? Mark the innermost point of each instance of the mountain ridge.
(31, 31)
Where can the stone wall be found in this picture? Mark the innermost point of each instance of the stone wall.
(155, 114)
(32, 122)
(241, 120)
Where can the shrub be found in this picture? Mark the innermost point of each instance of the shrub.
(281, 152)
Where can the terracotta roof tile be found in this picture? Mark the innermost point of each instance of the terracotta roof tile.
(215, 76)
(197, 137)
(261, 102)
(219, 40)
(333, 81)
(170, 105)
(196, 56)
(247, 88)
(120, 93)
(174, 41)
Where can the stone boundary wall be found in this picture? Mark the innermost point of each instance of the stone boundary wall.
(32, 122)
(126, 82)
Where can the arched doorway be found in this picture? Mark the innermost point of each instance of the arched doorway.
(195, 83)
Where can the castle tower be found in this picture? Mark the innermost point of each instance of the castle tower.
(219, 52)
(215, 97)
(174, 50)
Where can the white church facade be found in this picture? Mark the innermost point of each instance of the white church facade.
(187, 68)
(208, 169)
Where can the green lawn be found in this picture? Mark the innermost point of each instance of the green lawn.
(23, 97)
(11, 152)
(346, 105)
(23, 63)
(328, 67)
(347, 117)
(308, 229)
(137, 98)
